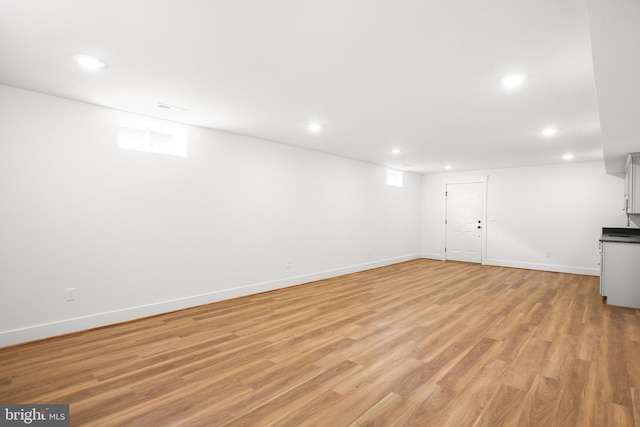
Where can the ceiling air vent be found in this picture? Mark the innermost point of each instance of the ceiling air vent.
(170, 107)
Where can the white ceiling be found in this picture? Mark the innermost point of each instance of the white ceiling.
(418, 75)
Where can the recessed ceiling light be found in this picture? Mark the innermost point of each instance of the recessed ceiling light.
(395, 151)
(315, 127)
(568, 156)
(513, 80)
(88, 62)
(549, 132)
(447, 167)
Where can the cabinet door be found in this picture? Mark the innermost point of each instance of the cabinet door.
(602, 283)
(632, 178)
(621, 273)
(627, 185)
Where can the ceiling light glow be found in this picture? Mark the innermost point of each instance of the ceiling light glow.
(88, 62)
(549, 132)
(568, 156)
(315, 127)
(513, 80)
(448, 167)
(395, 151)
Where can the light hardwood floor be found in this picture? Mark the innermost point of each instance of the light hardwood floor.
(423, 343)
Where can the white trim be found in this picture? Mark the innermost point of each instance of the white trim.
(46, 330)
(469, 180)
(544, 267)
(439, 257)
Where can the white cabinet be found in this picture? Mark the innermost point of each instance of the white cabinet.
(632, 181)
(620, 273)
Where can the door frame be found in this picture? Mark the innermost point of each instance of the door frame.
(483, 234)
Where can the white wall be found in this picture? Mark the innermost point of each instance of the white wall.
(140, 233)
(532, 210)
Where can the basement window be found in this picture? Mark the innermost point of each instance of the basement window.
(152, 136)
(394, 178)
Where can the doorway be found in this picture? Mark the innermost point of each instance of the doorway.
(464, 221)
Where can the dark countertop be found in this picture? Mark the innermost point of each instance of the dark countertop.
(620, 235)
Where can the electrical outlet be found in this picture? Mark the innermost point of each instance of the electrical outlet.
(548, 253)
(287, 263)
(70, 294)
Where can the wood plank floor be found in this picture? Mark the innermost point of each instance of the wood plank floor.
(423, 343)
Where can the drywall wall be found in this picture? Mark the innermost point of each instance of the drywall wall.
(544, 217)
(139, 233)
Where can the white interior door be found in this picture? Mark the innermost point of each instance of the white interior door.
(464, 222)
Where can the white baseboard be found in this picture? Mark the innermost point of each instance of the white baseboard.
(427, 255)
(544, 267)
(35, 332)
(527, 265)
